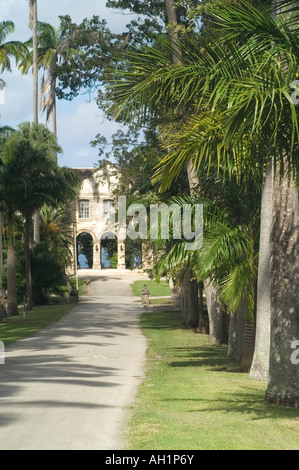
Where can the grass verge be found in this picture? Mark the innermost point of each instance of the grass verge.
(14, 328)
(193, 397)
(81, 286)
(156, 289)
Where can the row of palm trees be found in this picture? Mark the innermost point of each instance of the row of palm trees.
(30, 176)
(232, 87)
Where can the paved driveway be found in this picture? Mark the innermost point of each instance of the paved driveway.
(69, 387)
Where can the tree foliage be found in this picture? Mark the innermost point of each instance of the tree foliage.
(9, 49)
(95, 46)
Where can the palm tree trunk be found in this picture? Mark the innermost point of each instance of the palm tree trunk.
(173, 21)
(12, 308)
(29, 304)
(260, 364)
(237, 327)
(1, 248)
(201, 321)
(283, 382)
(37, 226)
(189, 304)
(54, 117)
(2, 293)
(217, 316)
(33, 26)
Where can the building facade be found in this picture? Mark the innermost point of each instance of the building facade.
(93, 221)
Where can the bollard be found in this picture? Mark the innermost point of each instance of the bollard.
(74, 295)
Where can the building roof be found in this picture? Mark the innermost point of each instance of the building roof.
(85, 172)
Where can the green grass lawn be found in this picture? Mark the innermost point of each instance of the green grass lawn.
(15, 328)
(156, 289)
(193, 397)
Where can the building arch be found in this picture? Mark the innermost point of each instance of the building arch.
(85, 249)
(109, 250)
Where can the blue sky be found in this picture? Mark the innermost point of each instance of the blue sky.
(78, 121)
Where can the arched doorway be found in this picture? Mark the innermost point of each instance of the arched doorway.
(133, 254)
(84, 251)
(109, 257)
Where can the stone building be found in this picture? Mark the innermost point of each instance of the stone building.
(93, 219)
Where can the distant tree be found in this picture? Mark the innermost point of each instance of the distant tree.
(95, 47)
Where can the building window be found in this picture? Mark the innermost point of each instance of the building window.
(83, 209)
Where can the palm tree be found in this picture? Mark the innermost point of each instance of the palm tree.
(283, 386)
(33, 27)
(9, 207)
(266, 299)
(260, 364)
(4, 134)
(241, 94)
(53, 48)
(227, 256)
(56, 232)
(15, 49)
(34, 178)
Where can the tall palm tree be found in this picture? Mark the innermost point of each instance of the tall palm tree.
(33, 27)
(241, 93)
(46, 182)
(53, 48)
(10, 208)
(5, 132)
(283, 386)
